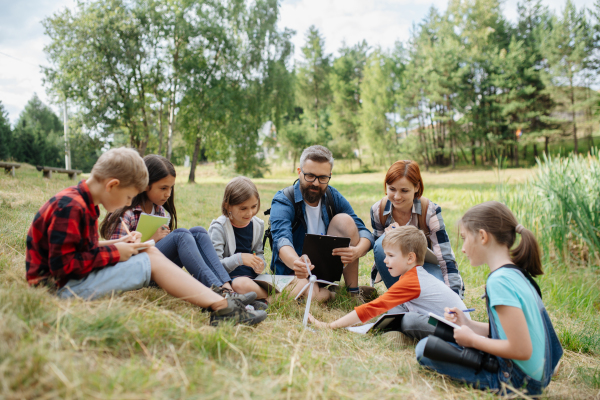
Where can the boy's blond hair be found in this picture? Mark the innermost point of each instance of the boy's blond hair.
(123, 164)
(409, 239)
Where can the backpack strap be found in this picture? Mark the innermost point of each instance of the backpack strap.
(422, 220)
(330, 204)
(382, 205)
(298, 217)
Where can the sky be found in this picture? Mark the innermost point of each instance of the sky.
(379, 22)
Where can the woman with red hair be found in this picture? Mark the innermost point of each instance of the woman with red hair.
(404, 204)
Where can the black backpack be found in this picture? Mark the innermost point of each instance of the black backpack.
(298, 217)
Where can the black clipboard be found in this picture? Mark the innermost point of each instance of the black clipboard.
(318, 248)
(388, 322)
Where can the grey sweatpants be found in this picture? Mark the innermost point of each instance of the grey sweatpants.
(414, 325)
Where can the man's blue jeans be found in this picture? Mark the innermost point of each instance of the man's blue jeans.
(194, 250)
(388, 279)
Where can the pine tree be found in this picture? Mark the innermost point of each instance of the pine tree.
(313, 81)
(6, 135)
(345, 81)
(566, 49)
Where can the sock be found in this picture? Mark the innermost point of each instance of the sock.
(353, 289)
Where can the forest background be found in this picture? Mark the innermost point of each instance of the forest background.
(216, 81)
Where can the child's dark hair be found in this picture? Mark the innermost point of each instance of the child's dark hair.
(158, 168)
(496, 219)
(237, 191)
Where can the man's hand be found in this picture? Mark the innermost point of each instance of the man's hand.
(161, 233)
(348, 254)
(299, 267)
(126, 250)
(253, 261)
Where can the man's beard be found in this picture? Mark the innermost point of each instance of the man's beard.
(309, 195)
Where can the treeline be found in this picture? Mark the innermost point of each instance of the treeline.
(467, 87)
(37, 138)
(216, 79)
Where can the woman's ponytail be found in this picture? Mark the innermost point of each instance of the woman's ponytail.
(497, 219)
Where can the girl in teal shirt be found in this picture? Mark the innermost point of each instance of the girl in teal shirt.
(519, 334)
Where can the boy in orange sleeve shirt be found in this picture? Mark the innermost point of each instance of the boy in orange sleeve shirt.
(417, 291)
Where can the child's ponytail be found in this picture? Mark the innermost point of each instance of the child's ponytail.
(527, 254)
(496, 219)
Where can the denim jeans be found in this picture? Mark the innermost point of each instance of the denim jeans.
(389, 280)
(508, 373)
(195, 252)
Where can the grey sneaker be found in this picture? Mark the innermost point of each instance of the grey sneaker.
(247, 298)
(236, 311)
(365, 294)
(260, 304)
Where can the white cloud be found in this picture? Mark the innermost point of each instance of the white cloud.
(379, 22)
(22, 43)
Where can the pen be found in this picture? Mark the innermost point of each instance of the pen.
(467, 310)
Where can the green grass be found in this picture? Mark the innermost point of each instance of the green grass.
(146, 344)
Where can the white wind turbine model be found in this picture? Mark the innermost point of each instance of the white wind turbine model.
(312, 279)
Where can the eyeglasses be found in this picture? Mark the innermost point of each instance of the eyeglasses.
(312, 177)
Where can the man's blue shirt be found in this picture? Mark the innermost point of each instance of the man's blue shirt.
(282, 216)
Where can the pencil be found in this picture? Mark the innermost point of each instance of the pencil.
(125, 226)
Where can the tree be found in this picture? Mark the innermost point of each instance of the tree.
(345, 82)
(313, 79)
(6, 135)
(566, 49)
(294, 137)
(101, 60)
(377, 103)
(38, 136)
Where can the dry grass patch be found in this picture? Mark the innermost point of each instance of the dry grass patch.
(148, 345)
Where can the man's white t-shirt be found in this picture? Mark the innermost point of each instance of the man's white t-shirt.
(314, 221)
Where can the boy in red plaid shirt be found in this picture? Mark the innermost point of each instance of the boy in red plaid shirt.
(64, 251)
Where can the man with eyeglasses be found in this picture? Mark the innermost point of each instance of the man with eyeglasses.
(314, 174)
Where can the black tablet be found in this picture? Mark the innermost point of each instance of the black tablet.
(318, 248)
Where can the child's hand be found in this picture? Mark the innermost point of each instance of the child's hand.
(261, 267)
(456, 316)
(391, 226)
(317, 323)
(161, 233)
(253, 261)
(133, 237)
(464, 336)
(126, 250)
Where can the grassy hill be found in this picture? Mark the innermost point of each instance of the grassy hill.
(146, 344)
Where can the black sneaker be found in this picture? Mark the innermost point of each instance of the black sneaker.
(260, 304)
(247, 298)
(236, 311)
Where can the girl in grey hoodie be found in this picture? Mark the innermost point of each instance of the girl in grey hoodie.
(237, 238)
